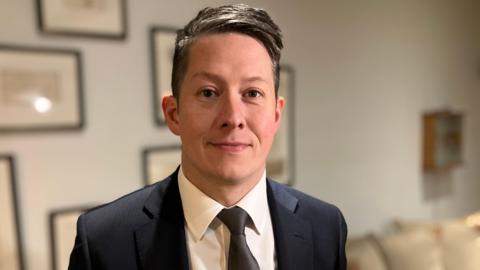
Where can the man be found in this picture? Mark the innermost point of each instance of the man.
(218, 210)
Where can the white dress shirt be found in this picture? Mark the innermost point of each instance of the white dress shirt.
(208, 239)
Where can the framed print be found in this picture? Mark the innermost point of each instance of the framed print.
(159, 162)
(281, 160)
(162, 42)
(442, 140)
(91, 18)
(63, 229)
(40, 89)
(11, 248)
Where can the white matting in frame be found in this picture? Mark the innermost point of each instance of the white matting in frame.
(11, 254)
(96, 18)
(280, 161)
(40, 89)
(63, 229)
(162, 41)
(160, 162)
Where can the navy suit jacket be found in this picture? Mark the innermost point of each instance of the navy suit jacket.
(145, 230)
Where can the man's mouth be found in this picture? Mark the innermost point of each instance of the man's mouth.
(230, 146)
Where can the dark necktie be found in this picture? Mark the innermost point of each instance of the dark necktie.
(239, 255)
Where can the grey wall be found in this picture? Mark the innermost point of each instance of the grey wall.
(366, 71)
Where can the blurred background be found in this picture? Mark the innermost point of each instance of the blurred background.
(366, 73)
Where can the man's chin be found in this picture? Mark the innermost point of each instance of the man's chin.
(230, 178)
(236, 177)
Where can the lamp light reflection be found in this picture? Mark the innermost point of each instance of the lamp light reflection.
(42, 104)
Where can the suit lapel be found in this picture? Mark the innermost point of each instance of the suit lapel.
(161, 242)
(293, 236)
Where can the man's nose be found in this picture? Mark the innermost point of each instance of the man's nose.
(231, 113)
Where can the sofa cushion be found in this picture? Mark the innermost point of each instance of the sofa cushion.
(412, 250)
(461, 246)
(458, 238)
(363, 253)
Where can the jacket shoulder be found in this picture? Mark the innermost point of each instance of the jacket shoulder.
(125, 212)
(307, 206)
(328, 227)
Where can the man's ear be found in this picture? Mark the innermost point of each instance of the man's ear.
(279, 109)
(170, 113)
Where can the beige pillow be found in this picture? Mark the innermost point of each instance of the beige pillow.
(363, 253)
(412, 250)
(461, 246)
(431, 226)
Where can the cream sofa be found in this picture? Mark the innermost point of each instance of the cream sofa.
(445, 245)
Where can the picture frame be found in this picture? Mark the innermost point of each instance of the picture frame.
(162, 46)
(63, 229)
(85, 18)
(40, 89)
(11, 241)
(442, 140)
(158, 162)
(281, 159)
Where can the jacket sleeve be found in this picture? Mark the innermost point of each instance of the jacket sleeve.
(341, 259)
(80, 256)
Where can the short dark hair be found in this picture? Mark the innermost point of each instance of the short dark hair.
(240, 18)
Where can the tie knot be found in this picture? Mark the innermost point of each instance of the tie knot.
(235, 219)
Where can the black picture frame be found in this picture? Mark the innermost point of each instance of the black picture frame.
(72, 22)
(281, 159)
(62, 230)
(29, 75)
(8, 184)
(162, 45)
(159, 162)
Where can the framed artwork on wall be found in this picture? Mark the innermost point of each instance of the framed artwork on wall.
(159, 162)
(11, 248)
(281, 160)
(162, 43)
(40, 89)
(442, 140)
(63, 229)
(90, 18)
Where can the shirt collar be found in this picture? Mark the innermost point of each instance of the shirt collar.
(200, 210)
(255, 203)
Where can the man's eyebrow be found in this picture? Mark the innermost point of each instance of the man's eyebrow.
(255, 78)
(217, 78)
(208, 75)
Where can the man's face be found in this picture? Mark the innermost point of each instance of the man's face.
(227, 114)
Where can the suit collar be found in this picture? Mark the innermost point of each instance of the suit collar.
(293, 235)
(155, 201)
(161, 242)
(200, 209)
(281, 196)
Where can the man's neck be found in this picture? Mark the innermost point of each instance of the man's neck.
(227, 192)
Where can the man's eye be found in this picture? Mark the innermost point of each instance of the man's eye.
(253, 93)
(207, 93)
